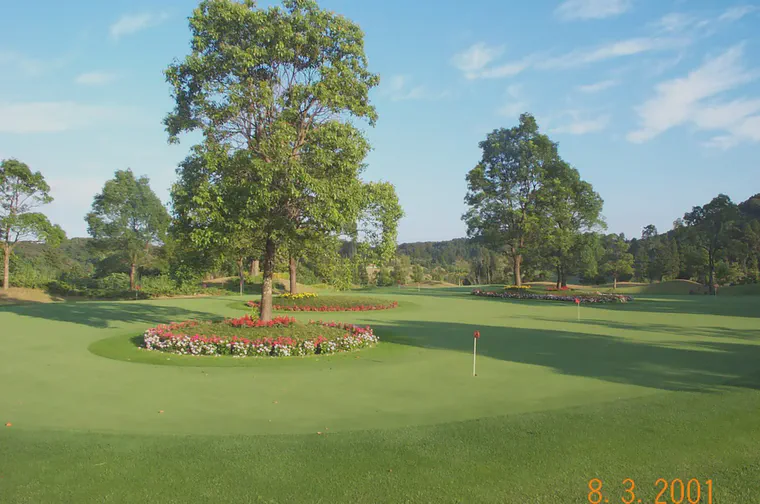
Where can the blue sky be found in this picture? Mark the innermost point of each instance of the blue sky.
(656, 102)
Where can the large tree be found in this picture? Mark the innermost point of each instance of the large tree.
(711, 227)
(276, 89)
(21, 192)
(504, 189)
(128, 220)
(569, 206)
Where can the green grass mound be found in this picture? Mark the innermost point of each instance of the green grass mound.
(310, 302)
(668, 288)
(249, 337)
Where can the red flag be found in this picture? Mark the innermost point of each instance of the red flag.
(577, 301)
(476, 334)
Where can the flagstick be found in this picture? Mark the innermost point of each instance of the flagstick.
(474, 354)
(579, 312)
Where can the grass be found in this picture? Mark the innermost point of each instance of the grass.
(665, 387)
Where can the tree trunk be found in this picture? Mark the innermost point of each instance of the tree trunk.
(559, 278)
(266, 289)
(132, 269)
(517, 261)
(293, 283)
(711, 264)
(255, 267)
(564, 278)
(6, 267)
(614, 282)
(241, 274)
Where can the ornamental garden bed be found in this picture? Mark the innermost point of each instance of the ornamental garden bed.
(249, 337)
(572, 298)
(311, 302)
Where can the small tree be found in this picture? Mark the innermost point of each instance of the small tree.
(418, 274)
(128, 219)
(21, 191)
(617, 261)
(710, 229)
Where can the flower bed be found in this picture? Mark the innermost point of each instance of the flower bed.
(562, 288)
(517, 287)
(582, 298)
(327, 304)
(244, 338)
(300, 295)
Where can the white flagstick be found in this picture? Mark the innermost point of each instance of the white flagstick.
(474, 354)
(475, 337)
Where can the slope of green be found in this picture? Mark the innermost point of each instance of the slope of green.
(665, 387)
(668, 288)
(740, 290)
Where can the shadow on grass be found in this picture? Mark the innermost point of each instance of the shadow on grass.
(746, 306)
(103, 314)
(668, 367)
(701, 331)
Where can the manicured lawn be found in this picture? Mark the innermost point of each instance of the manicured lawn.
(665, 387)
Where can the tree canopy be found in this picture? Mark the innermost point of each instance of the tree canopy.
(21, 192)
(273, 91)
(128, 219)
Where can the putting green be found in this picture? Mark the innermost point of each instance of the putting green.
(534, 356)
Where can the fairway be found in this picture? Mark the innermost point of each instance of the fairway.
(665, 387)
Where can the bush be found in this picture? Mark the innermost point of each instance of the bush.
(115, 282)
(162, 285)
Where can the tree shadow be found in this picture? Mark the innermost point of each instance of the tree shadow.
(748, 306)
(667, 366)
(745, 306)
(702, 331)
(105, 314)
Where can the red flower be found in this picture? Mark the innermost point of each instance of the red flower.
(476, 334)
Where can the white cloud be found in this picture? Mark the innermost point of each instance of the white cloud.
(50, 117)
(399, 88)
(722, 142)
(95, 78)
(473, 60)
(738, 12)
(683, 100)
(675, 22)
(597, 87)
(133, 23)
(621, 48)
(29, 66)
(581, 126)
(515, 104)
(591, 9)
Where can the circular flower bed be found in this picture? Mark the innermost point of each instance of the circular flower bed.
(246, 336)
(310, 302)
(575, 298)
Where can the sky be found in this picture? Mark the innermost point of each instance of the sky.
(655, 102)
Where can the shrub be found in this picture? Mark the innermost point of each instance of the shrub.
(517, 287)
(117, 282)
